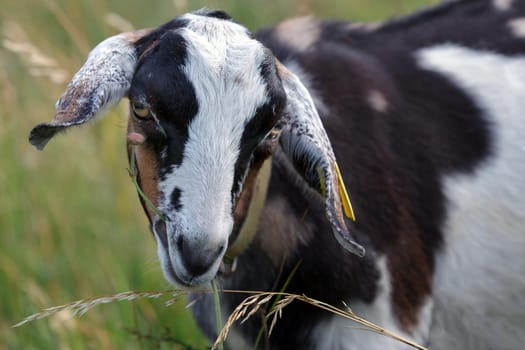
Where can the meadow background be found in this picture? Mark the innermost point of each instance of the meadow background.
(71, 226)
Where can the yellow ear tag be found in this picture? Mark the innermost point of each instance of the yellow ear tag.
(347, 206)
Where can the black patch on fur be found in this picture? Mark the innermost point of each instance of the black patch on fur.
(464, 23)
(265, 118)
(160, 80)
(253, 133)
(213, 13)
(175, 199)
(144, 43)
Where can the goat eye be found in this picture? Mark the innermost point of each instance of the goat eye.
(141, 111)
(274, 133)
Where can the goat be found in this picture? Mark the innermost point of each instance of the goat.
(234, 137)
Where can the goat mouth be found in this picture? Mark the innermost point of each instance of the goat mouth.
(186, 282)
(173, 266)
(178, 277)
(160, 234)
(171, 276)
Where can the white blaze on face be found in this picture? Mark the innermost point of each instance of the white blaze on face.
(223, 66)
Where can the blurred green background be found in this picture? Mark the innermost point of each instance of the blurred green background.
(71, 226)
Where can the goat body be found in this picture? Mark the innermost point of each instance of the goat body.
(425, 117)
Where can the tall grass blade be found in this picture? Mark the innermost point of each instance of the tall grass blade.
(218, 315)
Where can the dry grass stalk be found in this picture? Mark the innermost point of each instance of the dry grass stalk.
(78, 38)
(254, 302)
(278, 310)
(80, 307)
(40, 64)
(118, 22)
(246, 309)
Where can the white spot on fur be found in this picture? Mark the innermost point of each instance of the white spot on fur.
(517, 27)
(377, 101)
(223, 66)
(479, 287)
(339, 333)
(300, 33)
(502, 5)
(365, 26)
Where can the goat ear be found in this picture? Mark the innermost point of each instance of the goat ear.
(304, 140)
(101, 83)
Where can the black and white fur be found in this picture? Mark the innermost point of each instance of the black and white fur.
(425, 115)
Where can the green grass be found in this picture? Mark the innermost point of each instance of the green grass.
(71, 226)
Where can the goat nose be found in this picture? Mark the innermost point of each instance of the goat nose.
(195, 257)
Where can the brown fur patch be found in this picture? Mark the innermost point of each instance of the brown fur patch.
(411, 275)
(243, 202)
(283, 72)
(407, 265)
(147, 166)
(284, 231)
(136, 35)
